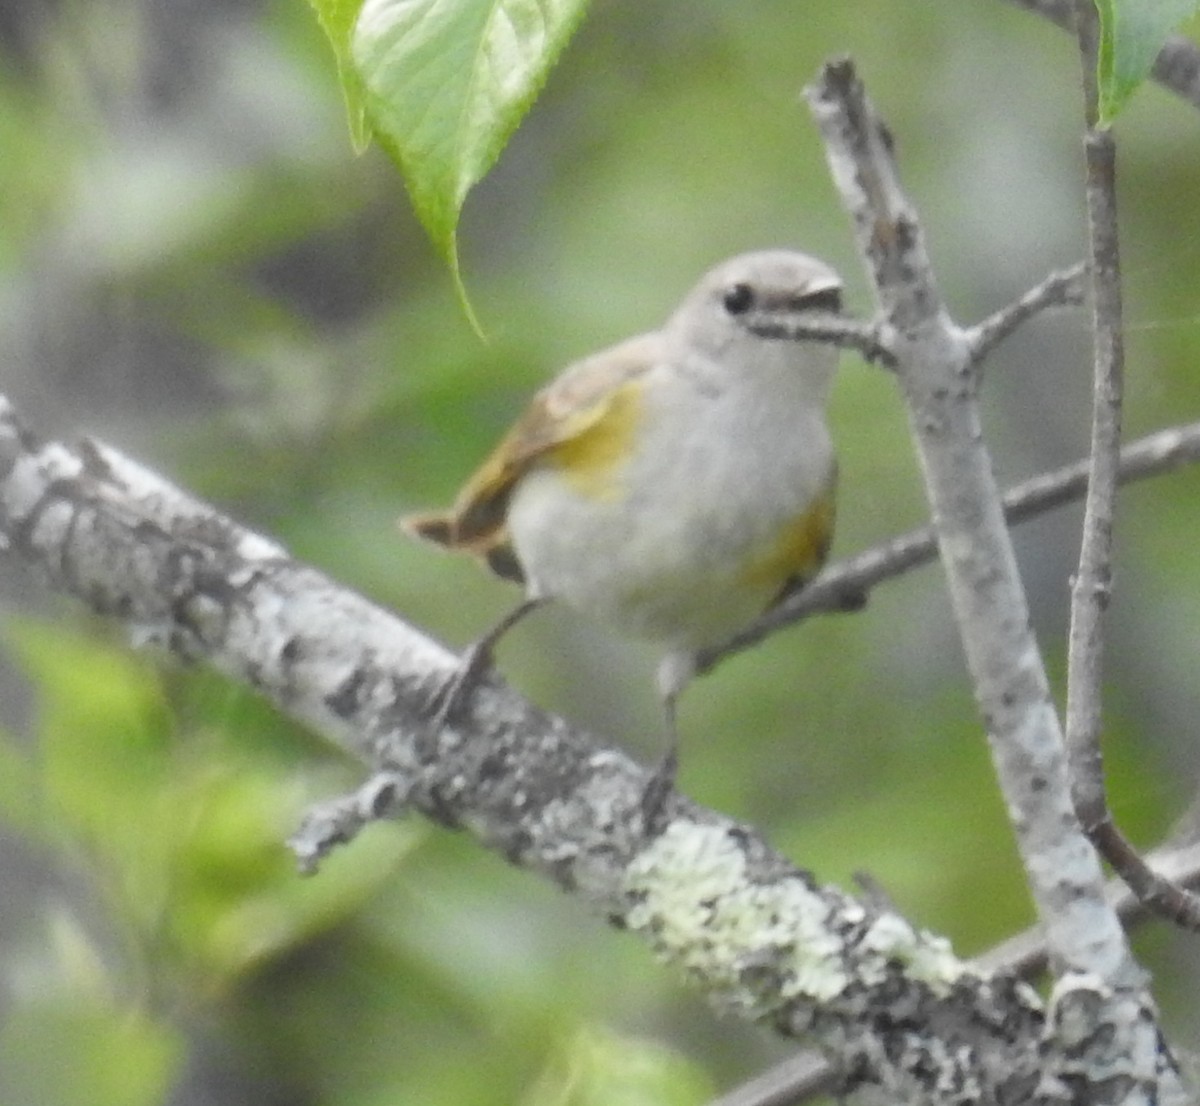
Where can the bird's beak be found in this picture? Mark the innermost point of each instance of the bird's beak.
(785, 315)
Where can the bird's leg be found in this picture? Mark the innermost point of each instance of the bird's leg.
(476, 660)
(661, 784)
(675, 672)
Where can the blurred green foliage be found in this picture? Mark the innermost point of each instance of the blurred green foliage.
(197, 268)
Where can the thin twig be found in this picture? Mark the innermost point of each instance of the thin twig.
(845, 584)
(865, 338)
(1156, 892)
(791, 1081)
(1065, 288)
(1091, 591)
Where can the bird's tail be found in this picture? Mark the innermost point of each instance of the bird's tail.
(439, 527)
(442, 528)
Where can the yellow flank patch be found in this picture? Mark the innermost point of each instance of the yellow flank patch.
(591, 460)
(798, 550)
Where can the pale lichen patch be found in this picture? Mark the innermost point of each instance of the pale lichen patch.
(697, 904)
(926, 958)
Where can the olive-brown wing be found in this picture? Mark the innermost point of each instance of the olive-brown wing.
(567, 408)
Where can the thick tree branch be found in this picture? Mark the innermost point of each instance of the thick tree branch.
(1100, 990)
(807, 1074)
(890, 1005)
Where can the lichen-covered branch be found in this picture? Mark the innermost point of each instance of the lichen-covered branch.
(890, 1005)
(807, 1074)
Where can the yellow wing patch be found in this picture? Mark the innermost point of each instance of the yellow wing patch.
(591, 458)
(799, 550)
(583, 422)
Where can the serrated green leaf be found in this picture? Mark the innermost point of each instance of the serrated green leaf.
(337, 19)
(1132, 32)
(447, 82)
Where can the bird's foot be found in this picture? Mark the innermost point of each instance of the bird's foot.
(454, 692)
(474, 666)
(659, 788)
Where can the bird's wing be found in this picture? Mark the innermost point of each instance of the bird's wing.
(568, 412)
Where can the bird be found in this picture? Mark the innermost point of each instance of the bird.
(674, 486)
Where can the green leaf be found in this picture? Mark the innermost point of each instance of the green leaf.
(1132, 32)
(447, 82)
(337, 19)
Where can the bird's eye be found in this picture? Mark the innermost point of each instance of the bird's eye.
(738, 299)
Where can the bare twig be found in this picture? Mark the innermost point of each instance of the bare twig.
(865, 338)
(1065, 288)
(338, 821)
(1062, 289)
(1091, 590)
(791, 1081)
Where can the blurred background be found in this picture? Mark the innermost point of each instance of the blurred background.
(195, 267)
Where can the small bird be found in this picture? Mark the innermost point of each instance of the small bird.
(674, 486)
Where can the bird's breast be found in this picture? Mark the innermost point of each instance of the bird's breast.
(684, 516)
